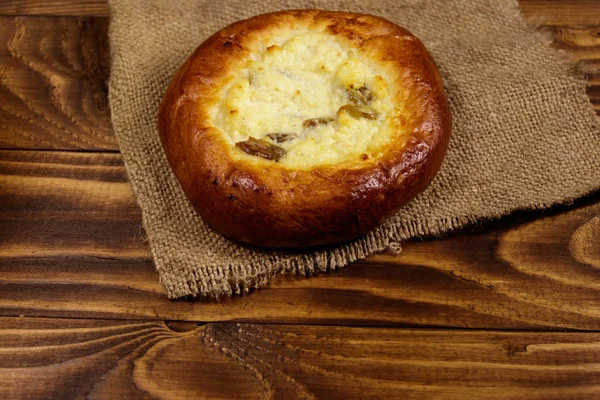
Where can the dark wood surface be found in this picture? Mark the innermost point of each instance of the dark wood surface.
(508, 309)
(112, 359)
(53, 92)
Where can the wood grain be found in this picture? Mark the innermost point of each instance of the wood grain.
(71, 245)
(55, 358)
(53, 84)
(55, 7)
(582, 46)
(554, 12)
(562, 12)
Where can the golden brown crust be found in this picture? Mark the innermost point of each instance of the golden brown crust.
(281, 207)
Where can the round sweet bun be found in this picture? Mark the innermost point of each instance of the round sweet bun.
(305, 128)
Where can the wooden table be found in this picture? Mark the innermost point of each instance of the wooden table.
(510, 309)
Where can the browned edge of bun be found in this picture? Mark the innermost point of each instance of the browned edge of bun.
(281, 207)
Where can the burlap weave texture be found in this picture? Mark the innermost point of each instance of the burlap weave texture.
(524, 137)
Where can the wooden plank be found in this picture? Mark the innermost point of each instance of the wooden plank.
(53, 92)
(582, 46)
(71, 245)
(562, 12)
(581, 43)
(554, 12)
(88, 8)
(53, 85)
(128, 359)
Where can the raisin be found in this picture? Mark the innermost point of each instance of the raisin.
(313, 122)
(361, 97)
(282, 137)
(358, 111)
(261, 148)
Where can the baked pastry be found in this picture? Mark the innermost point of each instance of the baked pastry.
(305, 128)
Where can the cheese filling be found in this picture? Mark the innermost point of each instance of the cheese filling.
(305, 101)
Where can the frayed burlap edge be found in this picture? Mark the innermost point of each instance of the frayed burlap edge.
(237, 280)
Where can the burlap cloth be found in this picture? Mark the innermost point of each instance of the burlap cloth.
(525, 135)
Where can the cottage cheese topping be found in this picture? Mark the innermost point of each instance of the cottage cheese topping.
(308, 76)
